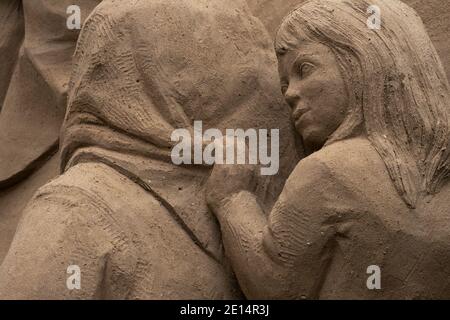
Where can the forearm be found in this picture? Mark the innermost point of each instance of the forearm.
(280, 257)
(243, 225)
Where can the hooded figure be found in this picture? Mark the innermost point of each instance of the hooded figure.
(122, 215)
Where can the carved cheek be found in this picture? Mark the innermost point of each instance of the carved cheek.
(312, 90)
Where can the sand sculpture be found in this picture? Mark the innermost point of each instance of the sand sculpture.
(137, 225)
(372, 192)
(373, 107)
(28, 157)
(36, 99)
(434, 13)
(35, 67)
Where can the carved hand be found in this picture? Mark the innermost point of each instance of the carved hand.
(227, 180)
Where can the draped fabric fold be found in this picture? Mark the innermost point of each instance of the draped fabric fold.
(36, 49)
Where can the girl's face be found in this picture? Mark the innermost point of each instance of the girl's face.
(314, 88)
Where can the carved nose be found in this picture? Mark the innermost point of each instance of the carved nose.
(291, 98)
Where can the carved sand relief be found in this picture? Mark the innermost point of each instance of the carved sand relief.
(371, 106)
(363, 215)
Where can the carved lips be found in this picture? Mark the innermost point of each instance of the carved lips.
(298, 113)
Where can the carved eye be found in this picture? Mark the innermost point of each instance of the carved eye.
(305, 69)
(284, 88)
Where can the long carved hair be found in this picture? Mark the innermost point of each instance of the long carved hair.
(397, 87)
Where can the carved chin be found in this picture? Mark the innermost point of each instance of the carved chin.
(313, 137)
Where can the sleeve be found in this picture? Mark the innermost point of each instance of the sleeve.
(287, 254)
(61, 249)
(313, 211)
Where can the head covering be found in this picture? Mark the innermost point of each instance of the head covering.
(144, 68)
